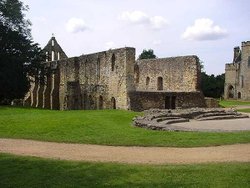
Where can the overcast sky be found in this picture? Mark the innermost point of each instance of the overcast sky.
(209, 29)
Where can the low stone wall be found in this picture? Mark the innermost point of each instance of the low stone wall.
(211, 102)
(144, 100)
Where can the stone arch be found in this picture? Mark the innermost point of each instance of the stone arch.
(113, 62)
(159, 83)
(137, 74)
(230, 91)
(100, 106)
(113, 103)
(239, 95)
(91, 103)
(147, 81)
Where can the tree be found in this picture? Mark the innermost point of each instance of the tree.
(18, 54)
(212, 86)
(147, 54)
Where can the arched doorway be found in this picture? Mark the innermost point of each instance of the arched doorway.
(159, 83)
(230, 91)
(113, 103)
(239, 95)
(100, 102)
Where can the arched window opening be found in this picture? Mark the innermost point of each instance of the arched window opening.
(159, 83)
(239, 95)
(98, 69)
(137, 74)
(113, 103)
(113, 62)
(147, 81)
(230, 91)
(100, 102)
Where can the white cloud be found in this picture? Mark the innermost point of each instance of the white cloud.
(158, 22)
(141, 18)
(109, 45)
(136, 17)
(75, 25)
(204, 29)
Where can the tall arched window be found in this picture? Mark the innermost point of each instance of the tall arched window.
(137, 74)
(113, 62)
(159, 83)
(98, 69)
(147, 81)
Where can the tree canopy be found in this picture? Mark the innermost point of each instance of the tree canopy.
(212, 86)
(147, 54)
(19, 55)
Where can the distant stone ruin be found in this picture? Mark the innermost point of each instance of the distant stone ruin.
(237, 74)
(160, 119)
(114, 79)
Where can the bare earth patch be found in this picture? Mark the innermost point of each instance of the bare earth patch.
(121, 154)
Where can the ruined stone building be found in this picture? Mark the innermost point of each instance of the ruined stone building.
(237, 74)
(113, 79)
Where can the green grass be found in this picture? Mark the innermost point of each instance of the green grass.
(105, 127)
(35, 172)
(247, 110)
(232, 103)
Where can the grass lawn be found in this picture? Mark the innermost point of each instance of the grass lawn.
(247, 110)
(35, 172)
(105, 127)
(232, 103)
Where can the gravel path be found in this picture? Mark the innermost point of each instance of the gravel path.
(121, 154)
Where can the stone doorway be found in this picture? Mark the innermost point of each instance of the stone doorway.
(113, 103)
(230, 91)
(100, 103)
(170, 102)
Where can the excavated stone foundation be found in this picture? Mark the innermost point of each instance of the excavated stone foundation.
(157, 119)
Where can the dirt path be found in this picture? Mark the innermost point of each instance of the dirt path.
(142, 155)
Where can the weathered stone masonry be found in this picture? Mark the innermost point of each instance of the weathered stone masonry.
(113, 79)
(237, 74)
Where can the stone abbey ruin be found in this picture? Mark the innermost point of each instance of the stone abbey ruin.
(237, 74)
(113, 79)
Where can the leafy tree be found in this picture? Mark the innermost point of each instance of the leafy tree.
(212, 86)
(147, 54)
(19, 56)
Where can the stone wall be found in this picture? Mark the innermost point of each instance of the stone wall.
(103, 79)
(144, 100)
(114, 80)
(180, 74)
(237, 74)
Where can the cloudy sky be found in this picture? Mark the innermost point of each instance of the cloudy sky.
(208, 29)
